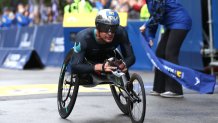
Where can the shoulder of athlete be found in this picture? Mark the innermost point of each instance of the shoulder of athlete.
(121, 34)
(80, 43)
(121, 31)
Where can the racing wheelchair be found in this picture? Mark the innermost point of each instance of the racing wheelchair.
(128, 92)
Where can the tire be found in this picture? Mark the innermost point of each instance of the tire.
(119, 99)
(68, 87)
(139, 90)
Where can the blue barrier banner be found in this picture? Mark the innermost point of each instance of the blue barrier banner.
(56, 52)
(49, 44)
(9, 37)
(133, 31)
(42, 42)
(1, 38)
(142, 62)
(3, 54)
(187, 77)
(16, 59)
(25, 37)
(19, 59)
(215, 22)
(190, 55)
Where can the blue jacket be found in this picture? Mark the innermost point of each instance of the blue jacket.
(6, 21)
(22, 20)
(169, 13)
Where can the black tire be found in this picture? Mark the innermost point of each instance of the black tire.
(139, 90)
(68, 87)
(119, 99)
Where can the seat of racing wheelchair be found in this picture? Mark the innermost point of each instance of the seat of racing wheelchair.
(94, 79)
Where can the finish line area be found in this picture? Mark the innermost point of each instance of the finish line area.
(30, 89)
(34, 89)
(42, 82)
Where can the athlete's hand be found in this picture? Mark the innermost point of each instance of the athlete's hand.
(121, 65)
(124, 69)
(104, 67)
(108, 68)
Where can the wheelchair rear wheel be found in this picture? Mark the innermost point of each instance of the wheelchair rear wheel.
(137, 103)
(68, 87)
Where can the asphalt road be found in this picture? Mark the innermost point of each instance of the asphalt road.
(29, 96)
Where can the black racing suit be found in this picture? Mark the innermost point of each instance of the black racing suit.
(95, 52)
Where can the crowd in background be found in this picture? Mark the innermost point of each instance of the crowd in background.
(38, 12)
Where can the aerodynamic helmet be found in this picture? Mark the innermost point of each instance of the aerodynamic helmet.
(107, 20)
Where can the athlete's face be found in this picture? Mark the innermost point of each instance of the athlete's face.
(107, 37)
(107, 32)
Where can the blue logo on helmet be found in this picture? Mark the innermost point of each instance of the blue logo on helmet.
(113, 17)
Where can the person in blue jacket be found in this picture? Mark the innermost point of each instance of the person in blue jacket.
(22, 20)
(22, 16)
(7, 18)
(177, 24)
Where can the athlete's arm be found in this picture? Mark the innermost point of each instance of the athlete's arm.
(126, 49)
(78, 65)
(78, 59)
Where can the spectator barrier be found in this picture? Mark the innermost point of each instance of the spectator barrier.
(190, 52)
(49, 44)
(19, 59)
(3, 54)
(32, 47)
(8, 38)
(24, 38)
(215, 22)
(142, 63)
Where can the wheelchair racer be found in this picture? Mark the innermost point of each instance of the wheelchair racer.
(94, 45)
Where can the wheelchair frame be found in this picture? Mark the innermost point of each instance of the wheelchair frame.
(122, 90)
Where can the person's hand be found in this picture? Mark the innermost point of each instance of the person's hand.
(108, 68)
(142, 28)
(151, 43)
(124, 69)
(121, 65)
(104, 67)
(147, 35)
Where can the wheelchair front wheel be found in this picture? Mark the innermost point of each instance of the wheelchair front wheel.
(137, 105)
(120, 99)
(68, 87)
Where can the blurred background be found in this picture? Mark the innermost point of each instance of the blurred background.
(32, 34)
(51, 11)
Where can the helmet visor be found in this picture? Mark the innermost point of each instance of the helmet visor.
(107, 28)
